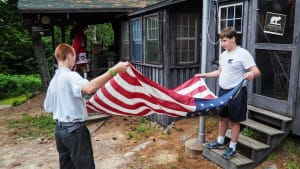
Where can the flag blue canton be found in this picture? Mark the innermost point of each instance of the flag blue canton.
(212, 106)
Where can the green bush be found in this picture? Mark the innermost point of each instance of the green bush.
(16, 85)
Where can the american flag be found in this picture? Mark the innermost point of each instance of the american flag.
(132, 94)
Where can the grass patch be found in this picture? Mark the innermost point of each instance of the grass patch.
(250, 133)
(211, 123)
(143, 129)
(272, 156)
(290, 146)
(33, 127)
(294, 164)
(14, 101)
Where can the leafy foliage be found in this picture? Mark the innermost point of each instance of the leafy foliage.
(16, 85)
(104, 34)
(16, 52)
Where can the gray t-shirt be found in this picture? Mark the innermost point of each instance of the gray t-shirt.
(234, 65)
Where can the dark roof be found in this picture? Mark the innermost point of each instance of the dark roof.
(162, 4)
(66, 6)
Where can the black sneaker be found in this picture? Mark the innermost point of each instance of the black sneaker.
(214, 145)
(228, 154)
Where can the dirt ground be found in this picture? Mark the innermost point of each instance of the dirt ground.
(113, 149)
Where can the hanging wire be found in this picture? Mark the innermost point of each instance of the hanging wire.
(208, 37)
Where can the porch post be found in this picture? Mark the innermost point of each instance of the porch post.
(40, 57)
(201, 134)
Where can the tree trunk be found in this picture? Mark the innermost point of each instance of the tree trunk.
(41, 59)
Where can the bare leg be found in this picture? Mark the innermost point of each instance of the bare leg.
(223, 125)
(235, 131)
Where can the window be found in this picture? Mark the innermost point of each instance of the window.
(125, 41)
(136, 47)
(231, 16)
(151, 41)
(186, 39)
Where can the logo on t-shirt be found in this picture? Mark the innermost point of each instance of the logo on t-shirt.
(230, 61)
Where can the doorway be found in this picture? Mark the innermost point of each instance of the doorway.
(276, 56)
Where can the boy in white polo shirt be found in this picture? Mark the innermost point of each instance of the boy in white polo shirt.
(65, 100)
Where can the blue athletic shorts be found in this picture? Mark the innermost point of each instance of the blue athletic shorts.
(236, 109)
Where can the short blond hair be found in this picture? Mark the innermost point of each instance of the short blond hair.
(63, 50)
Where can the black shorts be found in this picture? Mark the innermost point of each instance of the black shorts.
(236, 109)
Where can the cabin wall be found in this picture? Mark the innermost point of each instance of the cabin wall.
(168, 73)
(296, 122)
(182, 74)
(151, 72)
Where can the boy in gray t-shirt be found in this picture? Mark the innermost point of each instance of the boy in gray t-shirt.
(236, 64)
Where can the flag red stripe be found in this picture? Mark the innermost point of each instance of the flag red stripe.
(131, 93)
(113, 109)
(186, 84)
(155, 100)
(178, 97)
(103, 104)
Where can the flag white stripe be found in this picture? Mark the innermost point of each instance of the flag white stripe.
(133, 101)
(120, 102)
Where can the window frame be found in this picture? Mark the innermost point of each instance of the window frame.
(196, 38)
(147, 39)
(239, 33)
(137, 59)
(233, 18)
(125, 40)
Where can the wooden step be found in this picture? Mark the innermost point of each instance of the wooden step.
(238, 162)
(269, 113)
(96, 126)
(270, 131)
(97, 117)
(249, 142)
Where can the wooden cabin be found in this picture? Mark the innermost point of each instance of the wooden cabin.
(164, 43)
(162, 39)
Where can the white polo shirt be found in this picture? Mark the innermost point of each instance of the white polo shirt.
(64, 97)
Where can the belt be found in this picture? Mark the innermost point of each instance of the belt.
(71, 126)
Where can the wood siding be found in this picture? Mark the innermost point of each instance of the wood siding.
(151, 72)
(179, 75)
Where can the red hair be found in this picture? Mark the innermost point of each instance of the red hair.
(63, 50)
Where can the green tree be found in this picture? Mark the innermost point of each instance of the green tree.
(16, 52)
(104, 34)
